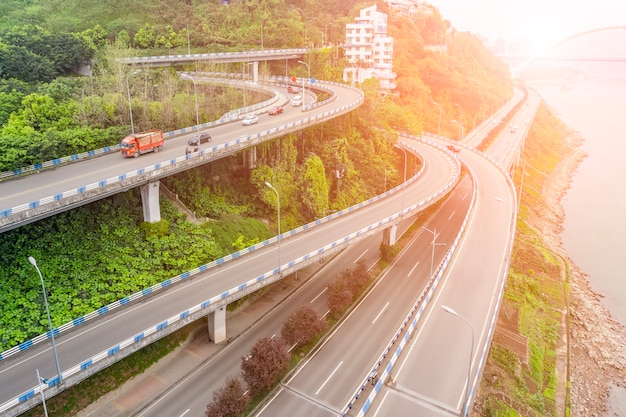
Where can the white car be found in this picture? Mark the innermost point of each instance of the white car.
(250, 120)
(297, 101)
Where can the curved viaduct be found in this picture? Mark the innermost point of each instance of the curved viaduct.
(214, 285)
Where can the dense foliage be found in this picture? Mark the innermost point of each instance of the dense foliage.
(319, 170)
(96, 255)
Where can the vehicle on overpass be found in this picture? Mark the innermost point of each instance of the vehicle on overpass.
(199, 139)
(135, 144)
(250, 120)
(297, 101)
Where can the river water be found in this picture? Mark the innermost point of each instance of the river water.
(594, 233)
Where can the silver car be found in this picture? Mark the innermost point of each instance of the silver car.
(250, 120)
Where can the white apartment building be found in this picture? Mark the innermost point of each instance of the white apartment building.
(369, 50)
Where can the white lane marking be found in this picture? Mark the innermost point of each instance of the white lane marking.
(381, 312)
(184, 413)
(380, 404)
(413, 269)
(318, 295)
(328, 379)
(498, 199)
(360, 256)
(451, 215)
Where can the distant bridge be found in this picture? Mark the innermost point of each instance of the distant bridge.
(542, 56)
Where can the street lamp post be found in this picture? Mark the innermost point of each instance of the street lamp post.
(33, 262)
(43, 397)
(460, 120)
(130, 106)
(308, 68)
(433, 244)
(262, 44)
(439, 125)
(521, 187)
(195, 93)
(469, 368)
(403, 182)
(278, 204)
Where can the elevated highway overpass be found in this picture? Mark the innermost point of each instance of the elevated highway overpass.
(217, 57)
(227, 294)
(45, 192)
(119, 337)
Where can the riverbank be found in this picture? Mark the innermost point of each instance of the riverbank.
(596, 342)
(572, 351)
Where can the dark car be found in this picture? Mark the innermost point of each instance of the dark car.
(293, 90)
(453, 148)
(199, 138)
(274, 110)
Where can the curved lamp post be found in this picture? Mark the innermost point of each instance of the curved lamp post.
(308, 68)
(33, 262)
(43, 397)
(195, 93)
(130, 106)
(278, 200)
(433, 244)
(469, 368)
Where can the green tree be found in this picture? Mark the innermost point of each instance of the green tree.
(64, 50)
(314, 186)
(97, 36)
(122, 40)
(41, 112)
(145, 37)
(9, 103)
(18, 62)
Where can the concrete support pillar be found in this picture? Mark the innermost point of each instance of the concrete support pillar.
(217, 325)
(249, 158)
(389, 235)
(150, 202)
(255, 72)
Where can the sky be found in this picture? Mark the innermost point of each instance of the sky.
(541, 22)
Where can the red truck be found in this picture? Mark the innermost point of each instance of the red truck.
(138, 143)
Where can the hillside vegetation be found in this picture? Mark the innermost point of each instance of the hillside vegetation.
(103, 251)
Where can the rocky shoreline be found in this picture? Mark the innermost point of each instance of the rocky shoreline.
(597, 342)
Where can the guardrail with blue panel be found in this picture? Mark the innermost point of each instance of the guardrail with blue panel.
(142, 171)
(263, 279)
(226, 118)
(422, 303)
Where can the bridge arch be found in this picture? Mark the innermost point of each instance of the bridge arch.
(516, 71)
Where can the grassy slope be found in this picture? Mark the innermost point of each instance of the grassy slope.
(536, 295)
